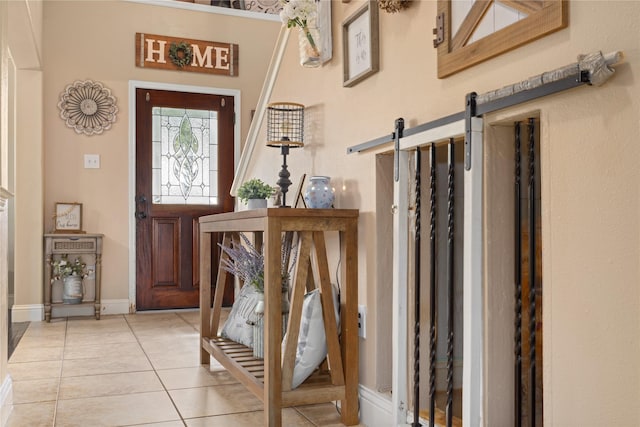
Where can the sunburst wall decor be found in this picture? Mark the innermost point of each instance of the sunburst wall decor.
(88, 107)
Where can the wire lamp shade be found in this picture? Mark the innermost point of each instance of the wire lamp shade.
(285, 129)
(285, 124)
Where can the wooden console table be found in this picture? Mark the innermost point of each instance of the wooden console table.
(270, 379)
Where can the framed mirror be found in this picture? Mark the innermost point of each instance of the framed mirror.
(474, 31)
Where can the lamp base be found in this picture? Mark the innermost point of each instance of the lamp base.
(284, 182)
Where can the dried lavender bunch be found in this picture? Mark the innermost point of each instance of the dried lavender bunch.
(247, 263)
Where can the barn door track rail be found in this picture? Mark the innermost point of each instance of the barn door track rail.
(590, 69)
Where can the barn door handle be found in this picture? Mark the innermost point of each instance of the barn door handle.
(141, 207)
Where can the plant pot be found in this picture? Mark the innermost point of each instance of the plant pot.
(257, 203)
(258, 326)
(72, 291)
(258, 335)
(260, 305)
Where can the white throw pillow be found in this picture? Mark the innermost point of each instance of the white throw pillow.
(312, 341)
(238, 326)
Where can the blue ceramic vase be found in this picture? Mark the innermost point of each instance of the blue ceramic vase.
(319, 194)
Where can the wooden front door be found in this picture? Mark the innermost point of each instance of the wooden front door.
(184, 170)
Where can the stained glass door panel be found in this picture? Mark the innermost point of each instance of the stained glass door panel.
(185, 156)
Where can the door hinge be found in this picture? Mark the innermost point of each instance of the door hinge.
(148, 97)
(438, 31)
(397, 134)
(234, 118)
(223, 102)
(469, 113)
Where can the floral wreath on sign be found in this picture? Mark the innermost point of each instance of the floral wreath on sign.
(181, 53)
(393, 6)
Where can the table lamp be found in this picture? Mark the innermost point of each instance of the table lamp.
(285, 129)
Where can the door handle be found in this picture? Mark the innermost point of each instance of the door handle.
(141, 207)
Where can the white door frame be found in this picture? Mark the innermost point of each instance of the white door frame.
(133, 85)
(472, 371)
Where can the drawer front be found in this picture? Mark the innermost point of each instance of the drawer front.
(71, 246)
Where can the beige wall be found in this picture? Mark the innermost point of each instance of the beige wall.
(20, 134)
(25, 42)
(590, 184)
(95, 40)
(5, 401)
(6, 393)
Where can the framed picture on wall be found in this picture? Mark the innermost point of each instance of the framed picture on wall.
(68, 217)
(360, 44)
(484, 29)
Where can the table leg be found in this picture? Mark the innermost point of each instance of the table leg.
(272, 326)
(205, 294)
(350, 345)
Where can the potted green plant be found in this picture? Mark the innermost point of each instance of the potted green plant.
(255, 193)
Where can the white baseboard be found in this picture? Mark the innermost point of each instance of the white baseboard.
(114, 306)
(27, 313)
(6, 400)
(375, 408)
(35, 312)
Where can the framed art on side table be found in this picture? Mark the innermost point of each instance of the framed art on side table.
(360, 44)
(68, 218)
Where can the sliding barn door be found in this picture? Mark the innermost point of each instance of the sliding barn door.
(438, 268)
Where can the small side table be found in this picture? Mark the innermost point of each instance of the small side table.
(89, 248)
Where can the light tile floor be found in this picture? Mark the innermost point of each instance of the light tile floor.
(127, 370)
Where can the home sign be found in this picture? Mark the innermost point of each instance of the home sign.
(171, 53)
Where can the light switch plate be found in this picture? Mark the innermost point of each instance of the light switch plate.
(92, 161)
(362, 321)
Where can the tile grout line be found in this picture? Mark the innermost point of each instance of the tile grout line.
(295, 408)
(155, 370)
(64, 346)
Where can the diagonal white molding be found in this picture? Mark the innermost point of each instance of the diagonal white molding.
(256, 123)
(229, 11)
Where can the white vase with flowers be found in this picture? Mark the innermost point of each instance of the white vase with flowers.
(303, 14)
(72, 274)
